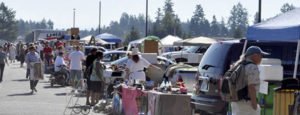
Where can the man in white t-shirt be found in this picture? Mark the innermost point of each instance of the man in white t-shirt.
(76, 58)
(59, 61)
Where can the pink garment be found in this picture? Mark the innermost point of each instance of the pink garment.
(129, 100)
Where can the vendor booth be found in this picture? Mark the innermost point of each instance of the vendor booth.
(284, 27)
(167, 43)
(169, 40)
(114, 41)
(195, 41)
(91, 40)
(108, 37)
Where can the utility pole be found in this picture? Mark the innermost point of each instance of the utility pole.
(74, 18)
(99, 17)
(259, 11)
(146, 31)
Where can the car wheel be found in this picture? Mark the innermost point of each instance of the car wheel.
(195, 112)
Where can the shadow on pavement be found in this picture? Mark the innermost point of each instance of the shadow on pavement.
(18, 68)
(47, 87)
(44, 82)
(21, 94)
(20, 80)
(61, 94)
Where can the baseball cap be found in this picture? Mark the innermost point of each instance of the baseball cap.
(255, 50)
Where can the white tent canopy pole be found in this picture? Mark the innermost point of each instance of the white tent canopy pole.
(297, 59)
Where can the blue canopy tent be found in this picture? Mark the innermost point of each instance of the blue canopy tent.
(108, 37)
(284, 27)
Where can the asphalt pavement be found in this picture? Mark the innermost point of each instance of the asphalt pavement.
(16, 97)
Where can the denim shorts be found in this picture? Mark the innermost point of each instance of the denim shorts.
(76, 74)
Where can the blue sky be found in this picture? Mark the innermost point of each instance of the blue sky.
(61, 11)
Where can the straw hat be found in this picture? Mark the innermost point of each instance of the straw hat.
(135, 51)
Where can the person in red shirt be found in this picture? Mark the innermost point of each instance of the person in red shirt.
(60, 43)
(47, 52)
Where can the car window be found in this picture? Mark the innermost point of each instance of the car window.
(121, 55)
(120, 62)
(114, 56)
(192, 49)
(107, 57)
(202, 49)
(101, 49)
(215, 55)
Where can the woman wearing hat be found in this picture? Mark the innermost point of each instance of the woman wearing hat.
(135, 67)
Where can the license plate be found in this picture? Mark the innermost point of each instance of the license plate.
(204, 86)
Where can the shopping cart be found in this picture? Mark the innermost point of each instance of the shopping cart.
(73, 101)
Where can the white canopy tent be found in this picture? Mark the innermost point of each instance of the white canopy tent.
(169, 40)
(138, 41)
(195, 41)
(89, 38)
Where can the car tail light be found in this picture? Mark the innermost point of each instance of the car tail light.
(196, 84)
(220, 87)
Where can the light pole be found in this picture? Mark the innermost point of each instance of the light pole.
(259, 11)
(99, 17)
(146, 30)
(74, 18)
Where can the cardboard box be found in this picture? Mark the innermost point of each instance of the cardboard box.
(73, 31)
(150, 46)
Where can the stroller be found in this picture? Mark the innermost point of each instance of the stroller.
(61, 77)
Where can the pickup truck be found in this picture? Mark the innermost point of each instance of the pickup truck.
(191, 55)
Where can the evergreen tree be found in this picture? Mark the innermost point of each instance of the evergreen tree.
(238, 20)
(50, 24)
(215, 29)
(8, 23)
(25, 27)
(134, 34)
(287, 7)
(223, 29)
(157, 29)
(170, 22)
(255, 18)
(205, 27)
(29, 37)
(196, 21)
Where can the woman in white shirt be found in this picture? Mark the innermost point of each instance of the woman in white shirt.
(12, 53)
(135, 67)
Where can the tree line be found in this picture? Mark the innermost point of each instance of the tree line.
(132, 27)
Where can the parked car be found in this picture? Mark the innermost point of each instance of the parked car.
(160, 60)
(217, 60)
(153, 74)
(88, 48)
(111, 56)
(192, 55)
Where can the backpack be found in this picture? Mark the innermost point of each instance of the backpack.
(234, 84)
